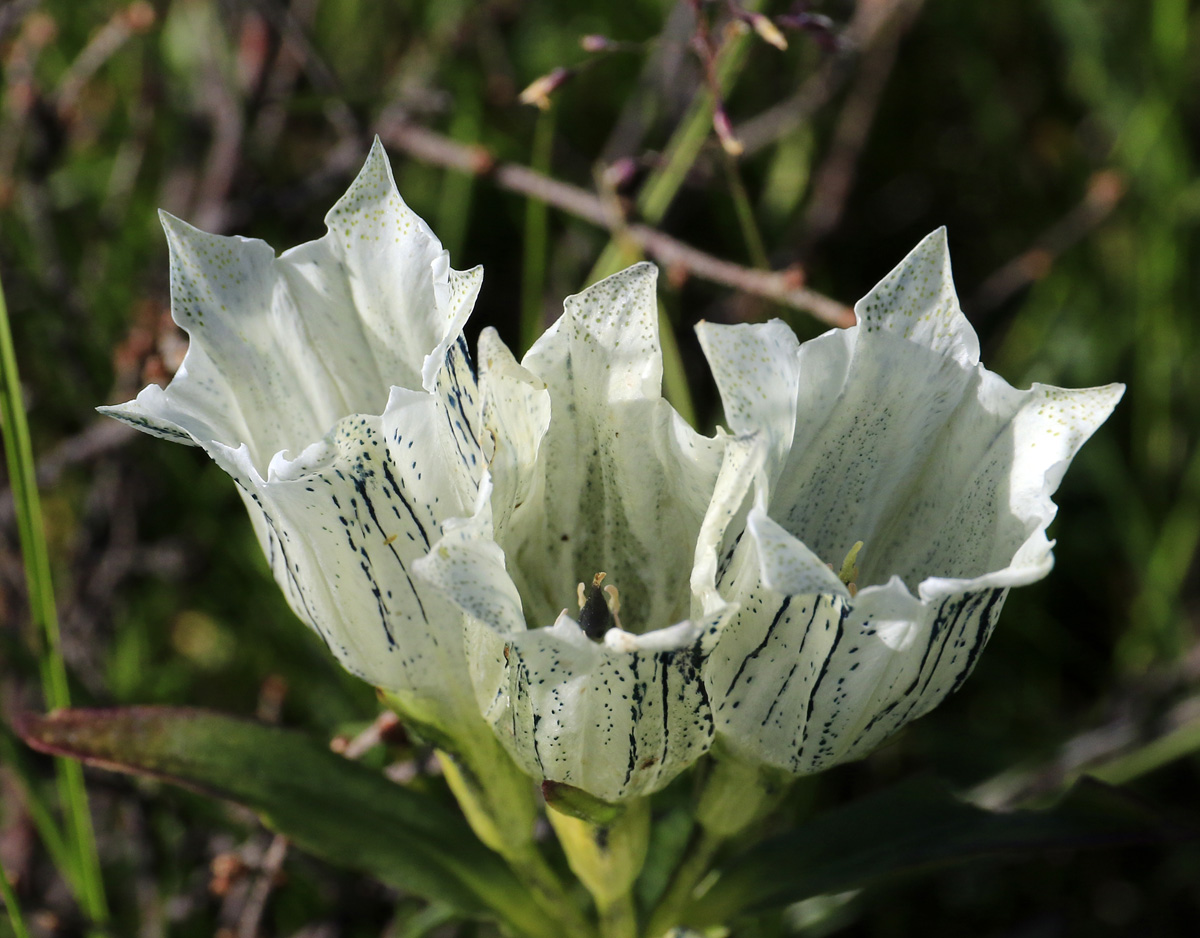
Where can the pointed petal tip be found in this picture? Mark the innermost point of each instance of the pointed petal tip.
(174, 226)
(373, 183)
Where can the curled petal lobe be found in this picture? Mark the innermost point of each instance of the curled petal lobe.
(613, 718)
(333, 384)
(917, 302)
(342, 525)
(283, 347)
(901, 440)
(621, 473)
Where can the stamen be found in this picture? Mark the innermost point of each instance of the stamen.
(613, 600)
(849, 570)
(595, 615)
(849, 573)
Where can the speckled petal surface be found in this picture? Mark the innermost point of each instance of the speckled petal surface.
(334, 385)
(903, 440)
(624, 475)
(591, 472)
(617, 722)
(342, 525)
(283, 347)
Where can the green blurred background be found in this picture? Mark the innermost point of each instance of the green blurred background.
(1058, 140)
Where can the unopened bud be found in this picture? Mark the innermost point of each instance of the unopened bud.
(768, 31)
(594, 42)
(539, 91)
(729, 142)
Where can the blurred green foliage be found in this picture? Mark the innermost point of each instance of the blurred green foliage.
(1058, 140)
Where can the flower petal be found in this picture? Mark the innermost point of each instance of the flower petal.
(591, 471)
(980, 522)
(282, 348)
(342, 525)
(756, 370)
(904, 441)
(616, 718)
(516, 416)
(623, 474)
(917, 302)
(805, 682)
(615, 722)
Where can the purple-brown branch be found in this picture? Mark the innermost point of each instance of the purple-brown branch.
(779, 286)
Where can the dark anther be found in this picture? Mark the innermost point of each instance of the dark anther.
(594, 616)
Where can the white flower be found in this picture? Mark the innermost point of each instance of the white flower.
(893, 434)
(553, 547)
(591, 472)
(333, 384)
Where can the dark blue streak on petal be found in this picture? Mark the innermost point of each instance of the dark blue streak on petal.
(727, 558)
(360, 485)
(364, 564)
(981, 637)
(799, 658)
(667, 659)
(638, 695)
(460, 428)
(395, 487)
(287, 564)
(824, 740)
(812, 697)
(966, 607)
(787, 601)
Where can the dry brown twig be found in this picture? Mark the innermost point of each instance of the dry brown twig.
(871, 22)
(834, 178)
(1105, 189)
(779, 286)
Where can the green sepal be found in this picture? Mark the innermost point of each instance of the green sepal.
(577, 803)
(737, 793)
(336, 809)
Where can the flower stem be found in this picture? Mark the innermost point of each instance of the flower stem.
(533, 274)
(618, 919)
(688, 876)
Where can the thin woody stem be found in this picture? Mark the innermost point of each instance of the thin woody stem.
(779, 286)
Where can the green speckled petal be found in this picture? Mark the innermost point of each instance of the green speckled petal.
(902, 440)
(333, 383)
(591, 472)
(342, 525)
(622, 474)
(282, 348)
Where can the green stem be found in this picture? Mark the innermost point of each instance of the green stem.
(659, 191)
(533, 277)
(11, 906)
(618, 919)
(454, 203)
(745, 215)
(533, 870)
(678, 894)
(86, 880)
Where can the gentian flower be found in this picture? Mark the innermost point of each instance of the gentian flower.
(550, 551)
(585, 637)
(334, 385)
(902, 490)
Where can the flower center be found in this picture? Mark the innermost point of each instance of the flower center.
(598, 607)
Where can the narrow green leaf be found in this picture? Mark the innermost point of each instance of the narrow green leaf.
(918, 825)
(83, 869)
(11, 907)
(328, 805)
